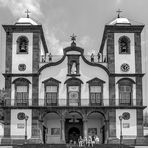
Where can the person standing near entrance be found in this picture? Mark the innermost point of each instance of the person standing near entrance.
(90, 141)
(80, 141)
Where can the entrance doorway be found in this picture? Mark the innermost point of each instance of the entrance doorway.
(73, 127)
(73, 134)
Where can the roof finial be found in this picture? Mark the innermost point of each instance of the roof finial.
(27, 12)
(118, 11)
(73, 38)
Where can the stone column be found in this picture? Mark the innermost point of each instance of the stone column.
(85, 127)
(106, 131)
(62, 130)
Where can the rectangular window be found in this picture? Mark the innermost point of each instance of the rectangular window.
(125, 94)
(51, 95)
(95, 94)
(73, 92)
(21, 95)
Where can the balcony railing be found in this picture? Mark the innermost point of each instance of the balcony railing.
(70, 103)
(55, 58)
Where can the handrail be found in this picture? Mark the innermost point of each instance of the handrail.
(67, 102)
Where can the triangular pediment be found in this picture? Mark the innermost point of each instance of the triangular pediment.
(95, 80)
(51, 80)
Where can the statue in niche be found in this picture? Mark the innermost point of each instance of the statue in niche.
(74, 68)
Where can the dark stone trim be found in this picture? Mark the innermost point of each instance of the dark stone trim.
(139, 91)
(128, 29)
(36, 51)
(73, 75)
(7, 121)
(139, 122)
(74, 48)
(95, 79)
(112, 94)
(110, 52)
(21, 79)
(112, 123)
(51, 79)
(8, 86)
(126, 79)
(20, 74)
(8, 60)
(75, 79)
(78, 107)
(138, 64)
(35, 90)
(127, 75)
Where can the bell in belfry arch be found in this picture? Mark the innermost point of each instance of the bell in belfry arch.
(23, 46)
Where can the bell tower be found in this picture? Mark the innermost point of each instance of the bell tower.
(122, 43)
(25, 43)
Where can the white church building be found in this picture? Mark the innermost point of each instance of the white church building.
(55, 99)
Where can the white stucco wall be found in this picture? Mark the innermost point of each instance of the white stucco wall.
(19, 132)
(1, 130)
(87, 72)
(22, 58)
(130, 132)
(124, 58)
(13, 90)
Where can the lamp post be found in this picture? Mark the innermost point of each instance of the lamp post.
(121, 136)
(26, 119)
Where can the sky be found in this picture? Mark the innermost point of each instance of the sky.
(85, 18)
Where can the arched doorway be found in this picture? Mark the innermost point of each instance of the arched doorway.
(73, 134)
(51, 128)
(73, 127)
(96, 125)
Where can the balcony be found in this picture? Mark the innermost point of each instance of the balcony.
(45, 59)
(71, 103)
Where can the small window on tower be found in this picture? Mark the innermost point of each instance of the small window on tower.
(124, 45)
(22, 45)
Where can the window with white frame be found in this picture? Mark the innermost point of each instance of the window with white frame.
(73, 93)
(125, 91)
(95, 94)
(125, 94)
(51, 94)
(21, 91)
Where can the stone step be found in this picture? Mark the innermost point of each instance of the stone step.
(70, 146)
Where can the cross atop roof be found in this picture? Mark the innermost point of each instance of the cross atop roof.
(73, 37)
(27, 12)
(118, 11)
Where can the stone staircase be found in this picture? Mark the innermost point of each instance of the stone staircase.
(71, 146)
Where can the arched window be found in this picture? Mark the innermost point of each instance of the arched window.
(22, 44)
(126, 91)
(124, 45)
(21, 92)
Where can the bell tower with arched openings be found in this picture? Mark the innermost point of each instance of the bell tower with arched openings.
(122, 43)
(25, 43)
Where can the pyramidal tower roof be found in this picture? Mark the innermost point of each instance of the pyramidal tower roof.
(26, 20)
(122, 21)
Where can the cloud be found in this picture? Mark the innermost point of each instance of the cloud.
(18, 7)
(55, 45)
(88, 43)
(118, 1)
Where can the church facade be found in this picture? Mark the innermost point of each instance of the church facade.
(53, 99)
